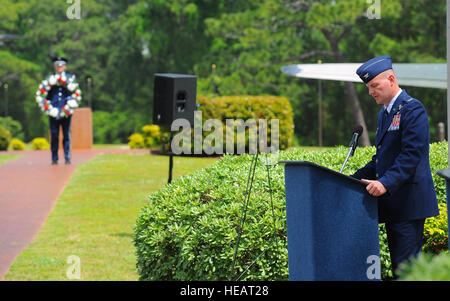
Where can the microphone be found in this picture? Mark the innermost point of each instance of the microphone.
(356, 134)
(353, 144)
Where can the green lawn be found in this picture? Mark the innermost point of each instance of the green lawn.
(115, 146)
(6, 157)
(95, 216)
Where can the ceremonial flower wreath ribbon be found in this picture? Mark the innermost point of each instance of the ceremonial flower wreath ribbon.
(58, 80)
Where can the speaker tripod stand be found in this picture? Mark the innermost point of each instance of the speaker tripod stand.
(170, 159)
(250, 179)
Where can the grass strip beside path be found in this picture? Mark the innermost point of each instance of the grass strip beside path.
(6, 157)
(95, 216)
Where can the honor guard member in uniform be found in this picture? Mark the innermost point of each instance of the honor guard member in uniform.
(399, 172)
(58, 97)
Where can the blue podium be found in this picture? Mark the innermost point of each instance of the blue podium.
(445, 173)
(332, 225)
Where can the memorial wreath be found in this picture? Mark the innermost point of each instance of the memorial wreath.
(58, 80)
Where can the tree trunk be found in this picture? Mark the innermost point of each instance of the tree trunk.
(357, 112)
(350, 90)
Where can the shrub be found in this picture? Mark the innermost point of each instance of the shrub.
(188, 229)
(252, 107)
(152, 135)
(136, 140)
(436, 231)
(16, 144)
(40, 143)
(245, 107)
(13, 126)
(5, 138)
(427, 268)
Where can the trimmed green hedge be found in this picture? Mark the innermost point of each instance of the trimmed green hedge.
(245, 108)
(188, 229)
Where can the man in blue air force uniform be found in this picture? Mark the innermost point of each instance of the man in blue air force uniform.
(399, 173)
(58, 97)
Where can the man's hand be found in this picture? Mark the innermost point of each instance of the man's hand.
(375, 188)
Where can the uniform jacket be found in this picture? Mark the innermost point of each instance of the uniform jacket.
(401, 163)
(59, 95)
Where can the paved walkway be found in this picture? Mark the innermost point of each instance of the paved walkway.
(29, 188)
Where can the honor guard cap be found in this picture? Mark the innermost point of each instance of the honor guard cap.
(373, 67)
(59, 61)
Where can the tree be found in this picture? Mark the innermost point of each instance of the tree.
(98, 45)
(122, 43)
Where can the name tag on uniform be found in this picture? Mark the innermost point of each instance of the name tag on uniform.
(395, 125)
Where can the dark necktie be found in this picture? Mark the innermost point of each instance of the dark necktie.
(383, 122)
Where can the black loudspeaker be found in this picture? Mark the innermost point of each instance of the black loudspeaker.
(174, 97)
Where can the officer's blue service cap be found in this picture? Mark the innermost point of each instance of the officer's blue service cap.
(370, 69)
(59, 61)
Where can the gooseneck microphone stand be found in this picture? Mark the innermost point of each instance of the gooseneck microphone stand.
(350, 153)
(353, 144)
